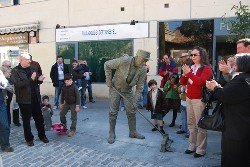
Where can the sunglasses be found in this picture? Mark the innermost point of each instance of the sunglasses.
(194, 55)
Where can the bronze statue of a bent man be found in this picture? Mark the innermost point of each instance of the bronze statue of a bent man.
(129, 72)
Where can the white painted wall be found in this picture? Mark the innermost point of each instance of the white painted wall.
(75, 13)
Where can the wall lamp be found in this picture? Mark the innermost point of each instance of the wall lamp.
(133, 22)
(59, 26)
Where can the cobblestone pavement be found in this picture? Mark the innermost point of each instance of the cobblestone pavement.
(58, 153)
(89, 146)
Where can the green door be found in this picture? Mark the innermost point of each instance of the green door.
(68, 51)
(96, 53)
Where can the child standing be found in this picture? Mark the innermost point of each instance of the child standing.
(70, 100)
(47, 113)
(184, 129)
(172, 97)
(156, 103)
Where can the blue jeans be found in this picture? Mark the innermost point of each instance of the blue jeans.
(58, 91)
(83, 96)
(79, 83)
(89, 88)
(143, 100)
(184, 119)
(4, 126)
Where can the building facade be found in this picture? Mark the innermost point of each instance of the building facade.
(91, 29)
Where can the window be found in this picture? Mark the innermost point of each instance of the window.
(4, 3)
(16, 2)
(96, 53)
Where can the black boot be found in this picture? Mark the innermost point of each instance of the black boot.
(16, 117)
(172, 124)
(161, 129)
(154, 129)
(174, 118)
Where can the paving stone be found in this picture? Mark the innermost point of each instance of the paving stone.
(89, 146)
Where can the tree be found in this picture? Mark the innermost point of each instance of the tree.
(200, 31)
(239, 27)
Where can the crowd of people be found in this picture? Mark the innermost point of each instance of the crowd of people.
(232, 89)
(20, 92)
(179, 91)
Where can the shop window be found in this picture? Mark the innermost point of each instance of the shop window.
(98, 52)
(67, 51)
(4, 3)
(11, 53)
(177, 37)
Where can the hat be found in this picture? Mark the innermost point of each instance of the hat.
(26, 55)
(184, 55)
(144, 54)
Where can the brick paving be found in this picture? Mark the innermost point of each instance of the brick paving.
(89, 146)
(58, 153)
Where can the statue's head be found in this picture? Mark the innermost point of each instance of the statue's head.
(141, 57)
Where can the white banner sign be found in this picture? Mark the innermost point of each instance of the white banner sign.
(120, 31)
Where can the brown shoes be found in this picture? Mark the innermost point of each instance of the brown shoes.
(71, 133)
(8, 149)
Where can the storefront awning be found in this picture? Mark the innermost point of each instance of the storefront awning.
(19, 28)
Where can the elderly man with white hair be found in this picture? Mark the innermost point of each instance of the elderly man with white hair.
(26, 81)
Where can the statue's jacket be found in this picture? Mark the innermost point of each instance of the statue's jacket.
(122, 67)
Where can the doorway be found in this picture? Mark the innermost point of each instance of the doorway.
(69, 52)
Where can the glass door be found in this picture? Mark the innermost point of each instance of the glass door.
(69, 52)
(96, 53)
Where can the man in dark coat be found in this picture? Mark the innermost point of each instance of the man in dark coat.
(235, 97)
(57, 72)
(26, 82)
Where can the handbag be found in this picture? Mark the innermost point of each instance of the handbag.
(214, 121)
(205, 95)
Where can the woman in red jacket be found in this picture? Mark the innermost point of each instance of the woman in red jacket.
(195, 78)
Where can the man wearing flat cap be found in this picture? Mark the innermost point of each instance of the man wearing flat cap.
(129, 72)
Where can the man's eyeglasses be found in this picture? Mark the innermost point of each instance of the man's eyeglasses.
(194, 55)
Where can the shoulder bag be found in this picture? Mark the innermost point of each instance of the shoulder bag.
(214, 121)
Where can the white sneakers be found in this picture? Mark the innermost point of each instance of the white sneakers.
(84, 107)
